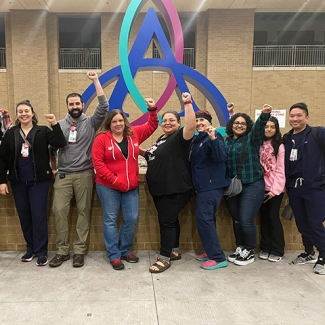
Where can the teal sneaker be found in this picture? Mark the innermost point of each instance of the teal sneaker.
(213, 265)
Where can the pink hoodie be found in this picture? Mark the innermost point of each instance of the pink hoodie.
(273, 168)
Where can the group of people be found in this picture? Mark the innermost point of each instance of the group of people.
(104, 148)
(268, 164)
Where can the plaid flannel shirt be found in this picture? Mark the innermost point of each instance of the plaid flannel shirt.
(252, 170)
(5, 120)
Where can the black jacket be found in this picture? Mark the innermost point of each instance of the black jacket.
(42, 137)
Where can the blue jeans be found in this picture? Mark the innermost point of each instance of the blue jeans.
(244, 208)
(207, 204)
(112, 201)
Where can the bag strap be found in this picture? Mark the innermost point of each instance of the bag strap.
(242, 156)
(315, 133)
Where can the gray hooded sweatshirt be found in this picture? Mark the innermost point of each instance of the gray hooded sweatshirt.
(75, 157)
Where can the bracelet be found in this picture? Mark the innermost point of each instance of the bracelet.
(152, 109)
(188, 102)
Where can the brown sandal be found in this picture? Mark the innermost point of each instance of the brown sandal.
(159, 266)
(174, 257)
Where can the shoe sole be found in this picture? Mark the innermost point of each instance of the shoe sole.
(307, 262)
(118, 268)
(201, 259)
(25, 260)
(215, 267)
(277, 260)
(175, 257)
(56, 265)
(78, 265)
(231, 259)
(263, 258)
(320, 272)
(129, 261)
(242, 263)
(42, 264)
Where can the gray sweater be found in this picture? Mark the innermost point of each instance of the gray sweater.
(76, 157)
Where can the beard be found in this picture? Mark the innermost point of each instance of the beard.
(75, 113)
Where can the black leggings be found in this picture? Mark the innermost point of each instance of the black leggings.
(169, 207)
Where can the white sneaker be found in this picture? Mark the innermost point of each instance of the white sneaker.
(274, 258)
(263, 255)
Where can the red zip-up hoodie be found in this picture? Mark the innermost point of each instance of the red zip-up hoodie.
(112, 168)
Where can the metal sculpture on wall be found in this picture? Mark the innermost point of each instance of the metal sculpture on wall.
(171, 62)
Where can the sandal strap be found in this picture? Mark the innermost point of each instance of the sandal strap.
(164, 262)
(160, 264)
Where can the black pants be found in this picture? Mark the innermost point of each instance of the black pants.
(169, 207)
(308, 208)
(272, 240)
(31, 204)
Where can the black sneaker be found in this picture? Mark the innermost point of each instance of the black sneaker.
(58, 259)
(130, 258)
(246, 257)
(42, 261)
(117, 265)
(305, 258)
(235, 254)
(319, 267)
(27, 257)
(78, 260)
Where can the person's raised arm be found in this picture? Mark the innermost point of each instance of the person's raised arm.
(190, 120)
(92, 75)
(258, 130)
(231, 109)
(102, 106)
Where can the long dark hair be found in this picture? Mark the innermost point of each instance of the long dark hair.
(106, 125)
(276, 140)
(27, 103)
(249, 123)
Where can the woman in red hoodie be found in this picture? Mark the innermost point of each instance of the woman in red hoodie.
(115, 157)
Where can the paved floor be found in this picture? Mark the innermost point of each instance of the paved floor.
(259, 293)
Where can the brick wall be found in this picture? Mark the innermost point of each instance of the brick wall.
(224, 41)
(147, 232)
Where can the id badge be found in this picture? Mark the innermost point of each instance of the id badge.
(25, 150)
(293, 154)
(73, 136)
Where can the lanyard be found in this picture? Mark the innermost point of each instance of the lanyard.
(25, 138)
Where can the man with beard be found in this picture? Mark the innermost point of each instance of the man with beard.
(76, 174)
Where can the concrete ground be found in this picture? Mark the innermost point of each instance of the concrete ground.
(259, 293)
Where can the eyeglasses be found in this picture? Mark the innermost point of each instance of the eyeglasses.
(240, 123)
(170, 120)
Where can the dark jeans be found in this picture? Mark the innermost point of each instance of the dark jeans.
(169, 207)
(244, 208)
(272, 240)
(207, 204)
(308, 208)
(31, 204)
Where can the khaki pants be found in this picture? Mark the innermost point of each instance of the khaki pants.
(81, 185)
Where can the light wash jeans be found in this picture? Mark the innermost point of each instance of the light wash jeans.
(112, 201)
